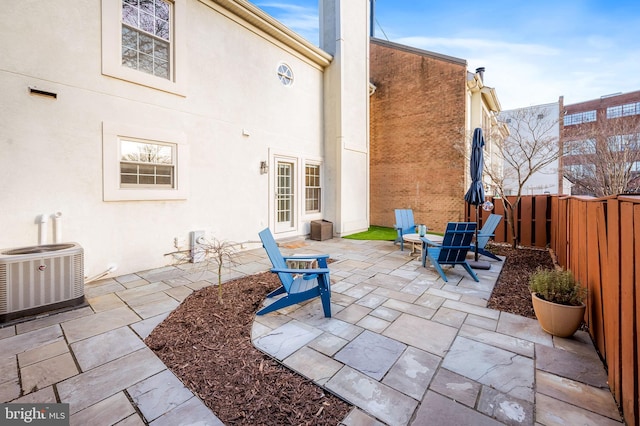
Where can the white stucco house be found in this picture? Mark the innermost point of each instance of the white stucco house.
(136, 122)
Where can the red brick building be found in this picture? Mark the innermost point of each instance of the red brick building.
(420, 125)
(600, 144)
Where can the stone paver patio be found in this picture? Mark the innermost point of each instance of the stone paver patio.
(403, 347)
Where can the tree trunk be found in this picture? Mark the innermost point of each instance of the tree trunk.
(509, 217)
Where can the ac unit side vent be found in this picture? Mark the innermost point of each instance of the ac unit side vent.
(40, 281)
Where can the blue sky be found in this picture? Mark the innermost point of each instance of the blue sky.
(533, 52)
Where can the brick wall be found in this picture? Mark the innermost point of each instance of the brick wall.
(417, 135)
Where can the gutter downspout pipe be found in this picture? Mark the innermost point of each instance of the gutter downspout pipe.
(42, 235)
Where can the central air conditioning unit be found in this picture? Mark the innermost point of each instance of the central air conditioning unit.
(39, 279)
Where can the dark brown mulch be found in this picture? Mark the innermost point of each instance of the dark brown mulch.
(208, 346)
(511, 292)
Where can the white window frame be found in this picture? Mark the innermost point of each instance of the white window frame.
(320, 186)
(139, 164)
(112, 49)
(113, 134)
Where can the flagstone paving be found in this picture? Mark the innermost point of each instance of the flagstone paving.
(422, 351)
(403, 347)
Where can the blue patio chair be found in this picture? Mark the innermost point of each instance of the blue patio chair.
(404, 225)
(456, 243)
(488, 230)
(298, 284)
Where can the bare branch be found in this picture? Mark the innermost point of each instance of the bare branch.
(214, 253)
(603, 158)
(530, 148)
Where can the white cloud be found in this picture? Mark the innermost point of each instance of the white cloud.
(301, 19)
(580, 51)
(474, 44)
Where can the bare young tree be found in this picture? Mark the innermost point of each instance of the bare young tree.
(530, 148)
(603, 158)
(210, 254)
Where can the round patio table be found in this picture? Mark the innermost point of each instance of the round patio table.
(416, 242)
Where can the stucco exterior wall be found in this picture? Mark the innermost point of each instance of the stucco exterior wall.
(344, 34)
(417, 135)
(234, 114)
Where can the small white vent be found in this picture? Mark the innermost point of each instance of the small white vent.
(40, 278)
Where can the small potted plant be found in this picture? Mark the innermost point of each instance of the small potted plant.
(558, 301)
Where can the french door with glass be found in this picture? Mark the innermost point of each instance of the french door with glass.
(285, 195)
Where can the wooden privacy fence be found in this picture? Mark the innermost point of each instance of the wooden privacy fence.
(599, 240)
(532, 217)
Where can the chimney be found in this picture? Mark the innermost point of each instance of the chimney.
(481, 72)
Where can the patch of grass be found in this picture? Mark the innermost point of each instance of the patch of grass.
(375, 233)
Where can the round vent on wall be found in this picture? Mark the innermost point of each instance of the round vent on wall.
(285, 74)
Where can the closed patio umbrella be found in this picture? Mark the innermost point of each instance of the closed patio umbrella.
(475, 194)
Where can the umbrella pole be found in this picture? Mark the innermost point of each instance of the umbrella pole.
(477, 226)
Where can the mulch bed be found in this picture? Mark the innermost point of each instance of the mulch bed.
(511, 292)
(207, 344)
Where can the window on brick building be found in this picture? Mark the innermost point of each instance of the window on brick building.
(579, 147)
(580, 117)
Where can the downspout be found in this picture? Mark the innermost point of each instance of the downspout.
(57, 227)
(42, 236)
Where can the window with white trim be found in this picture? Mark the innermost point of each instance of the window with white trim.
(143, 163)
(144, 42)
(312, 188)
(146, 164)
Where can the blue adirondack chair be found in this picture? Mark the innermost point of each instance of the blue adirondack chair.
(453, 249)
(488, 230)
(298, 284)
(404, 225)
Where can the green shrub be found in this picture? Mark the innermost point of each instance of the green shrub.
(557, 286)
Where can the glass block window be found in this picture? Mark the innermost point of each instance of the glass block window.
(581, 171)
(628, 143)
(145, 164)
(624, 110)
(146, 36)
(614, 112)
(580, 147)
(631, 109)
(312, 188)
(580, 117)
